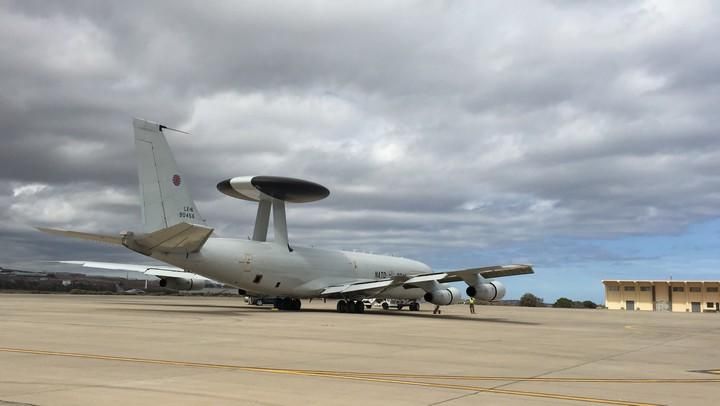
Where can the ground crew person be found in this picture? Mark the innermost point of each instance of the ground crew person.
(472, 305)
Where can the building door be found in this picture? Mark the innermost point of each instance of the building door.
(630, 304)
(695, 307)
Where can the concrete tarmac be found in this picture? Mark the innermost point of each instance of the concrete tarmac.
(149, 350)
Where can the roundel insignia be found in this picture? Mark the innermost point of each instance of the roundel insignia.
(176, 180)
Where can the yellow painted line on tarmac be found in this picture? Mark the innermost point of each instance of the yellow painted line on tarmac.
(537, 379)
(328, 374)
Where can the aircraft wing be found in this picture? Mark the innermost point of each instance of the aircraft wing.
(366, 288)
(488, 272)
(470, 275)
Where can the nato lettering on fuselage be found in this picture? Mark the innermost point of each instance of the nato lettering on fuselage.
(187, 213)
(385, 275)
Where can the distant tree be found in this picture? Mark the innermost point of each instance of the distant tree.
(589, 304)
(529, 300)
(563, 302)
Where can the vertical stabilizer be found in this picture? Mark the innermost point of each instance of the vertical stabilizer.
(165, 197)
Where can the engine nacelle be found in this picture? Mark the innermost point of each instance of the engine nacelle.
(443, 297)
(487, 291)
(182, 283)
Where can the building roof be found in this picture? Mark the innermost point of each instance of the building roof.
(654, 281)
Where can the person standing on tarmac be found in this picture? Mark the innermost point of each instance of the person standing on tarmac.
(471, 301)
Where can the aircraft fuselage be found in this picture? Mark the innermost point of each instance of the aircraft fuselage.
(272, 269)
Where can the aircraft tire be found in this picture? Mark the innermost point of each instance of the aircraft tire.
(296, 304)
(359, 307)
(385, 306)
(342, 306)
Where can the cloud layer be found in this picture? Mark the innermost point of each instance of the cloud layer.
(440, 127)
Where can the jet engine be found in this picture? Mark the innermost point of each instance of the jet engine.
(182, 283)
(444, 296)
(487, 291)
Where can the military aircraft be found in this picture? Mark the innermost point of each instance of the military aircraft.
(175, 233)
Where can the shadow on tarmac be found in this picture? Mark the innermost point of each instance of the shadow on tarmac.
(213, 309)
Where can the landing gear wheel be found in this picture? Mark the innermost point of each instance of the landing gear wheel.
(415, 307)
(400, 307)
(286, 304)
(342, 306)
(358, 307)
(296, 304)
(385, 306)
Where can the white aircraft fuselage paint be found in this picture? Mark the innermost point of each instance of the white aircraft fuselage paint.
(271, 269)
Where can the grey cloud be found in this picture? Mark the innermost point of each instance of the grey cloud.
(455, 124)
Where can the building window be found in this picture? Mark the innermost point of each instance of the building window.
(678, 289)
(613, 288)
(629, 288)
(710, 305)
(695, 289)
(644, 288)
(713, 289)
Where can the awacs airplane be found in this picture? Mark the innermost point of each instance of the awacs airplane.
(175, 233)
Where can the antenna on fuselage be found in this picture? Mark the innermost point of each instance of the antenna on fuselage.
(272, 192)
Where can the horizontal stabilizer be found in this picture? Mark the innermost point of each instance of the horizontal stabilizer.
(159, 271)
(182, 237)
(164, 273)
(109, 239)
(121, 267)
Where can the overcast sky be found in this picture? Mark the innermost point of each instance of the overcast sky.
(578, 136)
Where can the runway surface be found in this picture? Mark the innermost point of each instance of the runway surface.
(68, 350)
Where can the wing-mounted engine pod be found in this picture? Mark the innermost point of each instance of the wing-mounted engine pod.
(487, 291)
(257, 188)
(183, 283)
(443, 297)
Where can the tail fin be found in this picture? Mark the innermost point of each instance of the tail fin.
(165, 197)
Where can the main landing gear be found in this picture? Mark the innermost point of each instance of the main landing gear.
(350, 306)
(287, 303)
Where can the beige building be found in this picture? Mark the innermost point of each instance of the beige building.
(676, 296)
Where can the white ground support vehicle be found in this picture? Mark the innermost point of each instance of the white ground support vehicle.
(388, 304)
